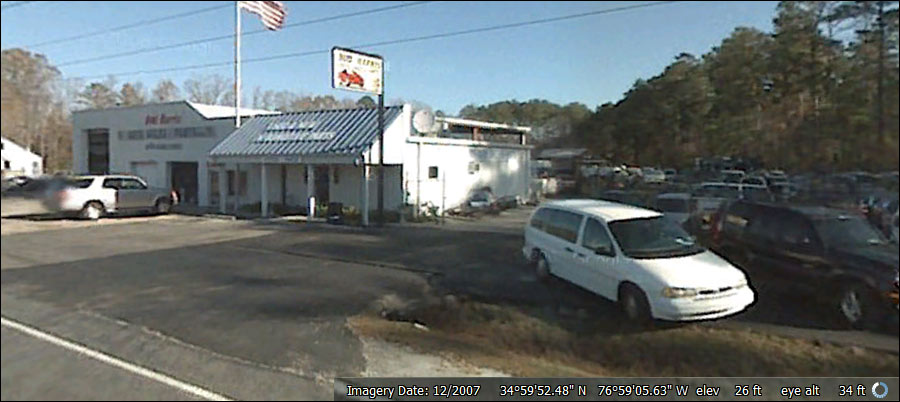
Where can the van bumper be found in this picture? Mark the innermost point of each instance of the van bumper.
(704, 307)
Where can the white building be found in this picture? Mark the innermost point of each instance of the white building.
(282, 159)
(19, 161)
(327, 153)
(167, 144)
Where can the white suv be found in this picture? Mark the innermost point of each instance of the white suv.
(91, 197)
(636, 257)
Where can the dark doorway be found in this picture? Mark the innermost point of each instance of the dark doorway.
(322, 185)
(184, 181)
(98, 151)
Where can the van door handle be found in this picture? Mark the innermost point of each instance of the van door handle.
(569, 249)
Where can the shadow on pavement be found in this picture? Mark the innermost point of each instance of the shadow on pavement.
(488, 266)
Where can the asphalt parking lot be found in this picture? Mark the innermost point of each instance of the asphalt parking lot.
(267, 318)
(255, 310)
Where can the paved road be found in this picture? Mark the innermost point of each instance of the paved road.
(28, 376)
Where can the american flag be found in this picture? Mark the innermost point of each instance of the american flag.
(271, 13)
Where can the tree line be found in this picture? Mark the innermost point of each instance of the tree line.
(818, 93)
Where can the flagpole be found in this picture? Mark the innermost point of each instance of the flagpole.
(237, 64)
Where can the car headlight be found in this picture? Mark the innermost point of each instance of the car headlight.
(675, 293)
(741, 284)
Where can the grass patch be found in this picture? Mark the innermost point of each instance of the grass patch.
(536, 344)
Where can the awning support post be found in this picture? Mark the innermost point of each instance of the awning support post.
(223, 189)
(311, 192)
(264, 189)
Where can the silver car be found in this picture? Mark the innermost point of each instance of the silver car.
(91, 197)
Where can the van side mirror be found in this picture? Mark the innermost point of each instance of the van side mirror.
(604, 251)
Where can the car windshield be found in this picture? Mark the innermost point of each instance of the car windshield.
(848, 232)
(655, 237)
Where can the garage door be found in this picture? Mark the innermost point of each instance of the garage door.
(149, 171)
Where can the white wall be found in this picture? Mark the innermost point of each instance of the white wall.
(502, 168)
(21, 161)
(395, 136)
(124, 152)
(346, 190)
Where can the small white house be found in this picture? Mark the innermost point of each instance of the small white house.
(19, 161)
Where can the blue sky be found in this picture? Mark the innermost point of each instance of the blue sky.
(592, 60)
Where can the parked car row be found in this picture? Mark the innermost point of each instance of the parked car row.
(646, 262)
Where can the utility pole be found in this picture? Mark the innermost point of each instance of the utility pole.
(381, 157)
(880, 101)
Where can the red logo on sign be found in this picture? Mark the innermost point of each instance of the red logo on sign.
(153, 120)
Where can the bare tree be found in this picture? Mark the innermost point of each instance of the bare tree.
(166, 91)
(132, 94)
(99, 95)
(209, 89)
(28, 81)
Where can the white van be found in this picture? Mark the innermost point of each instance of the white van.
(636, 257)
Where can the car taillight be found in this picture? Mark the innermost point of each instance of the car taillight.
(174, 196)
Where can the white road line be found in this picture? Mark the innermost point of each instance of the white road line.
(115, 362)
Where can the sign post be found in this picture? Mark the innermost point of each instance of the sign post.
(363, 72)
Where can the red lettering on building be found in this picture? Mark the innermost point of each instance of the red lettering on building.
(152, 120)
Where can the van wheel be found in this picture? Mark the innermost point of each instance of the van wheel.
(91, 211)
(541, 268)
(163, 206)
(633, 303)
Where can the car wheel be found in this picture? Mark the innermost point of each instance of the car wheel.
(856, 306)
(163, 207)
(634, 304)
(541, 267)
(91, 211)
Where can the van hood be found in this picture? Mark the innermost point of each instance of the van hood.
(705, 270)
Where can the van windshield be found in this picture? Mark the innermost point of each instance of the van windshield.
(655, 237)
(848, 232)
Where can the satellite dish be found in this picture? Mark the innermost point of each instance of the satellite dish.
(423, 121)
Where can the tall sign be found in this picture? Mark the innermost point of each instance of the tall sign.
(356, 71)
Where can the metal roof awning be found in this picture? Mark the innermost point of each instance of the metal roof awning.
(337, 136)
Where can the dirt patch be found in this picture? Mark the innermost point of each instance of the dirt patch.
(537, 343)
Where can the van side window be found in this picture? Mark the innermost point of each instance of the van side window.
(764, 225)
(596, 237)
(564, 224)
(796, 231)
(112, 183)
(132, 184)
(540, 218)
